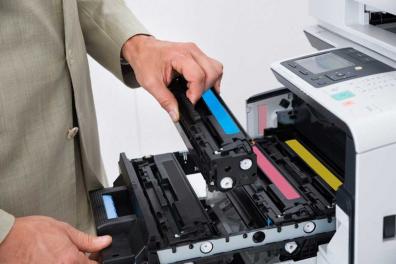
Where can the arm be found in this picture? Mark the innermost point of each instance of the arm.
(106, 26)
(6, 223)
(111, 30)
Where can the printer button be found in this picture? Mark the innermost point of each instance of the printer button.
(304, 72)
(341, 96)
(340, 75)
(367, 59)
(322, 82)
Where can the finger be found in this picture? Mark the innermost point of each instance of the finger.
(87, 243)
(89, 261)
(194, 75)
(165, 98)
(216, 86)
(220, 69)
(212, 68)
(95, 256)
(83, 259)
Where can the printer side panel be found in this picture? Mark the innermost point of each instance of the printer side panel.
(375, 211)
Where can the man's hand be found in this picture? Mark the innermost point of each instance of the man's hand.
(39, 239)
(156, 62)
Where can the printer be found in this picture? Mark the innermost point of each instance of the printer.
(310, 181)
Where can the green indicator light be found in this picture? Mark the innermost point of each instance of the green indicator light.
(343, 95)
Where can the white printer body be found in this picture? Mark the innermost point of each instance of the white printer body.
(344, 84)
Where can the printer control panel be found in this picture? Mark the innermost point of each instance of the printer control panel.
(371, 94)
(335, 66)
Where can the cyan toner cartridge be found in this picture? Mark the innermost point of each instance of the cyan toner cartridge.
(219, 146)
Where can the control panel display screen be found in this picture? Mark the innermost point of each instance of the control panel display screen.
(324, 63)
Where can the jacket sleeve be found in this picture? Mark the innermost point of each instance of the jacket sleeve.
(106, 25)
(6, 223)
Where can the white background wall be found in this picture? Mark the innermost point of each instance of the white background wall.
(245, 35)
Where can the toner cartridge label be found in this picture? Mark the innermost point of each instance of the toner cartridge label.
(315, 164)
(220, 113)
(275, 176)
(109, 206)
(262, 118)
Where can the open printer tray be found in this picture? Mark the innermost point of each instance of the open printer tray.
(154, 215)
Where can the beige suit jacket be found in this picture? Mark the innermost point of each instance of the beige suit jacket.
(96, 27)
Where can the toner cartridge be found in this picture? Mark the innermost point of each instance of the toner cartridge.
(218, 144)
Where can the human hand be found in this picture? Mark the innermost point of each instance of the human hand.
(39, 239)
(156, 62)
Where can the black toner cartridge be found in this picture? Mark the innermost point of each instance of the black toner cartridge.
(220, 147)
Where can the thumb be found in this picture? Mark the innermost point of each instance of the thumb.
(166, 99)
(87, 243)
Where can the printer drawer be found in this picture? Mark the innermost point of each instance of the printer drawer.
(155, 216)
